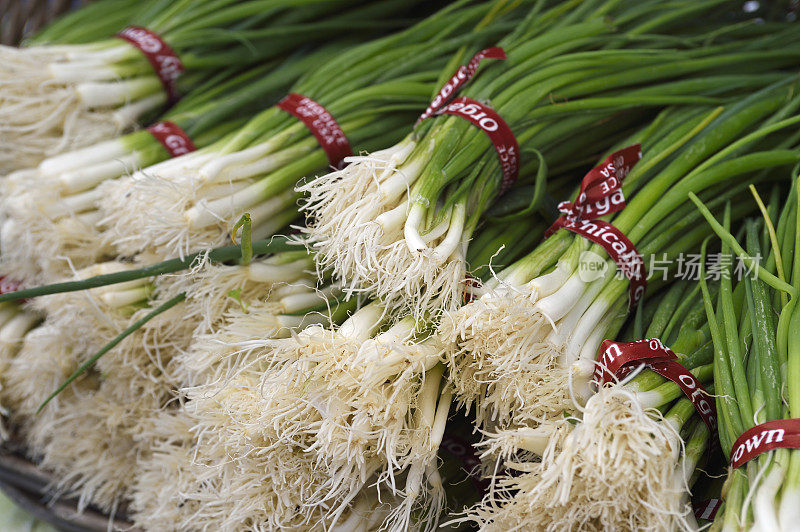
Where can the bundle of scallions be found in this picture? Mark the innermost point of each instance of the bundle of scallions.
(754, 326)
(628, 458)
(59, 97)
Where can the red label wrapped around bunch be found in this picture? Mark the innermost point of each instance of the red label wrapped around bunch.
(321, 124)
(617, 359)
(461, 77)
(172, 137)
(165, 61)
(487, 119)
(601, 194)
(777, 434)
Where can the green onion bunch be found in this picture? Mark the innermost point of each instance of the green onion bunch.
(754, 325)
(628, 458)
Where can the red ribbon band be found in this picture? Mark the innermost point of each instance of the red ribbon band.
(618, 247)
(460, 78)
(601, 194)
(491, 123)
(777, 434)
(601, 188)
(617, 359)
(166, 63)
(172, 137)
(321, 124)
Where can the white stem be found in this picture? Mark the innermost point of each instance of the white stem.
(398, 184)
(277, 222)
(14, 330)
(398, 332)
(789, 511)
(363, 323)
(454, 234)
(266, 209)
(557, 304)
(599, 310)
(123, 298)
(436, 232)
(392, 220)
(263, 165)
(7, 314)
(78, 72)
(298, 302)
(78, 159)
(411, 229)
(273, 273)
(76, 203)
(212, 169)
(98, 95)
(129, 114)
(94, 174)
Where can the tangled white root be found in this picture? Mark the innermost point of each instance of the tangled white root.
(144, 212)
(618, 469)
(88, 438)
(502, 362)
(39, 116)
(168, 210)
(321, 407)
(15, 324)
(40, 246)
(355, 219)
(191, 477)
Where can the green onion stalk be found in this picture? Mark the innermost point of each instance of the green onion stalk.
(356, 406)
(51, 225)
(629, 457)
(66, 96)
(371, 90)
(755, 330)
(523, 350)
(394, 224)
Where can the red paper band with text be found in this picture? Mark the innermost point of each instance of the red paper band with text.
(172, 137)
(777, 434)
(601, 188)
(501, 136)
(601, 194)
(321, 124)
(461, 77)
(707, 509)
(618, 247)
(162, 57)
(617, 359)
